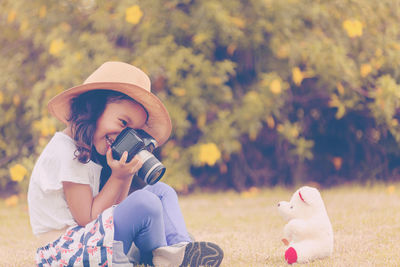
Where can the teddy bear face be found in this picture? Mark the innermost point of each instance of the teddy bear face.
(304, 203)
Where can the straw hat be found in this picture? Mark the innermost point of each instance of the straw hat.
(124, 78)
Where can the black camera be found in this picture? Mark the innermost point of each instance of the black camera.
(141, 143)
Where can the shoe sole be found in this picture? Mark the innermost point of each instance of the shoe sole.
(202, 254)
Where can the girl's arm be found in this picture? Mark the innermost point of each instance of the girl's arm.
(84, 208)
(125, 190)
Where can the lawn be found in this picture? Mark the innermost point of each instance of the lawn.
(365, 219)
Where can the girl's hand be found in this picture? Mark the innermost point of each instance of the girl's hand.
(122, 169)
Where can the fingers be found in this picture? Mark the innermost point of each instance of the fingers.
(109, 156)
(136, 163)
(124, 157)
(136, 160)
(122, 168)
(111, 160)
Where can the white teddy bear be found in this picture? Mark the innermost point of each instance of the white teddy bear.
(308, 234)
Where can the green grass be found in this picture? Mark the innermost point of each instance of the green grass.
(365, 219)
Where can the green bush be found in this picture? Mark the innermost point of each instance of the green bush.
(260, 92)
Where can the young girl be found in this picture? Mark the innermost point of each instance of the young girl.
(80, 225)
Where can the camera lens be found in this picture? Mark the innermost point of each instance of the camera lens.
(152, 169)
(158, 173)
(155, 175)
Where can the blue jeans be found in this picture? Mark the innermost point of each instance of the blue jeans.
(150, 218)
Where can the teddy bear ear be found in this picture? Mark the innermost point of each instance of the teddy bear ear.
(308, 195)
(301, 197)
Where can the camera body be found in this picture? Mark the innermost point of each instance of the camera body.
(139, 142)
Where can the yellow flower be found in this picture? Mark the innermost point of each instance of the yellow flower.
(252, 192)
(178, 91)
(283, 51)
(42, 12)
(77, 56)
(294, 131)
(334, 101)
(238, 22)
(11, 201)
(270, 122)
(11, 16)
(16, 100)
(209, 154)
(353, 27)
(337, 163)
(1, 98)
(45, 126)
(18, 172)
(390, 189)
(223, 168)
(216, 80)
(378, 52)
(275, 87)
(133, 14)
(365, 69)
(253, 135)
(201, 120)
(56, 46)
(200, 38)
(231, 49)
(252, 97)
(65, 27)
(24, 25)
(297, 76)
(340, 88)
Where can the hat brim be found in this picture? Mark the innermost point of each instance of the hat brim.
(158, 123)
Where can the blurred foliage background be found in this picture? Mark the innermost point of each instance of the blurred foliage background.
(260, 92)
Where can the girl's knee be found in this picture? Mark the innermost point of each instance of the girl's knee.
(146, 201)
(164, 190)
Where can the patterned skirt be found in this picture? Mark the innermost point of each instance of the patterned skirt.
(86, 246)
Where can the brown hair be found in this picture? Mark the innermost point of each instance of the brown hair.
(86, 109)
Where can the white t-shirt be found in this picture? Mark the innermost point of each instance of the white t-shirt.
(48, 209)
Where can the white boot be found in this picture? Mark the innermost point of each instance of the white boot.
(169, 256)
(193, 254)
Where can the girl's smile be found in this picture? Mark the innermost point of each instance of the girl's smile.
(109, 141)
(116, 117)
